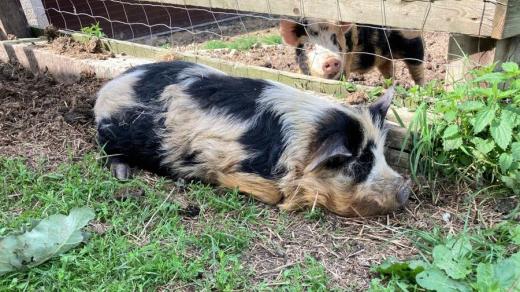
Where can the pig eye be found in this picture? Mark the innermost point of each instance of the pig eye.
(334, 39)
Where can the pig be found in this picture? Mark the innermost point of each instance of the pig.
(339, 48)
(280, 145)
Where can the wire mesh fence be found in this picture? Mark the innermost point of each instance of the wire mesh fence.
(254, 37)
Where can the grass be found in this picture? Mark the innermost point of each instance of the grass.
(243, 43)
(147, 243)
(306, 276)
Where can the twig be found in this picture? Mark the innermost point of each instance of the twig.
(279, 268)
(355, 253)
(155, 213)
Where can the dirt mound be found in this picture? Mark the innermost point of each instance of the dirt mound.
(93, 48)
(43, 119)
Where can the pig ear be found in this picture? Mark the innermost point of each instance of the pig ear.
(332, 150)
(345, 26)
(291, 32)
(379, 108)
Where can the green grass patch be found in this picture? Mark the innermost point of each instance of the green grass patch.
(147, 244)
(243, 43)
(308, 275)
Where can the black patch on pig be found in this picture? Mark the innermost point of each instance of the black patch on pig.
(367, 58)
(264, 142)
(336, 122)
(299, 30)
(155, 78)
(232, 95)
(301, 59)
(407, 48)
(399, 45)
(132, 136)
(349, 41)
(361, 167)
(334, 40)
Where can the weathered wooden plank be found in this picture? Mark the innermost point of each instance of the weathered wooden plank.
(512, 22)
(31, 54)
(12, 20)
(399, 138)
(467, 52)
(35, 13)
(325, 86)
(506, 23)
(397, 159)
(473, 17)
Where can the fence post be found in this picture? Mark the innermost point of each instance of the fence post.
(479, 52)
(35, 13)
(12, 20)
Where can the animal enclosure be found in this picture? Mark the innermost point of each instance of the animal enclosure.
(206, 32)
(483, 31)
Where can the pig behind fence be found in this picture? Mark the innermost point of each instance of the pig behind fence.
(341, 48)
(276, 143)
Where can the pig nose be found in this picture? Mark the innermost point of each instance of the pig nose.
(331, 66)
(403, 194)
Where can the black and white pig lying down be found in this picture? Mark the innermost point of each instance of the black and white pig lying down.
(276, 143)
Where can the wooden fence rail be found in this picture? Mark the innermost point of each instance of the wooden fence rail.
(498, 19)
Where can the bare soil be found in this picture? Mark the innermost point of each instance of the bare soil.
(41, 119)
(93, 48)
(282, 57)
(48, 122)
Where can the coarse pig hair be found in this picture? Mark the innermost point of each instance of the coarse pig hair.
(278, 144)
(352, 47)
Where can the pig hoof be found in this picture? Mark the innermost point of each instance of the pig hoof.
(120, 170)
(404, 194)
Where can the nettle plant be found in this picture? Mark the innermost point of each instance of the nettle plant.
(480, 260)
(474, 131)
(94, 30)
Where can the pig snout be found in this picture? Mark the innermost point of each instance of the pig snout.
(331, 67)
(403, 193)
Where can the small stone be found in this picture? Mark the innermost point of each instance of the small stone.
(99, 227)
(446, 217)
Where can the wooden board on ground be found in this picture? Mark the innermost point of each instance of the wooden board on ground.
(335, 88)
